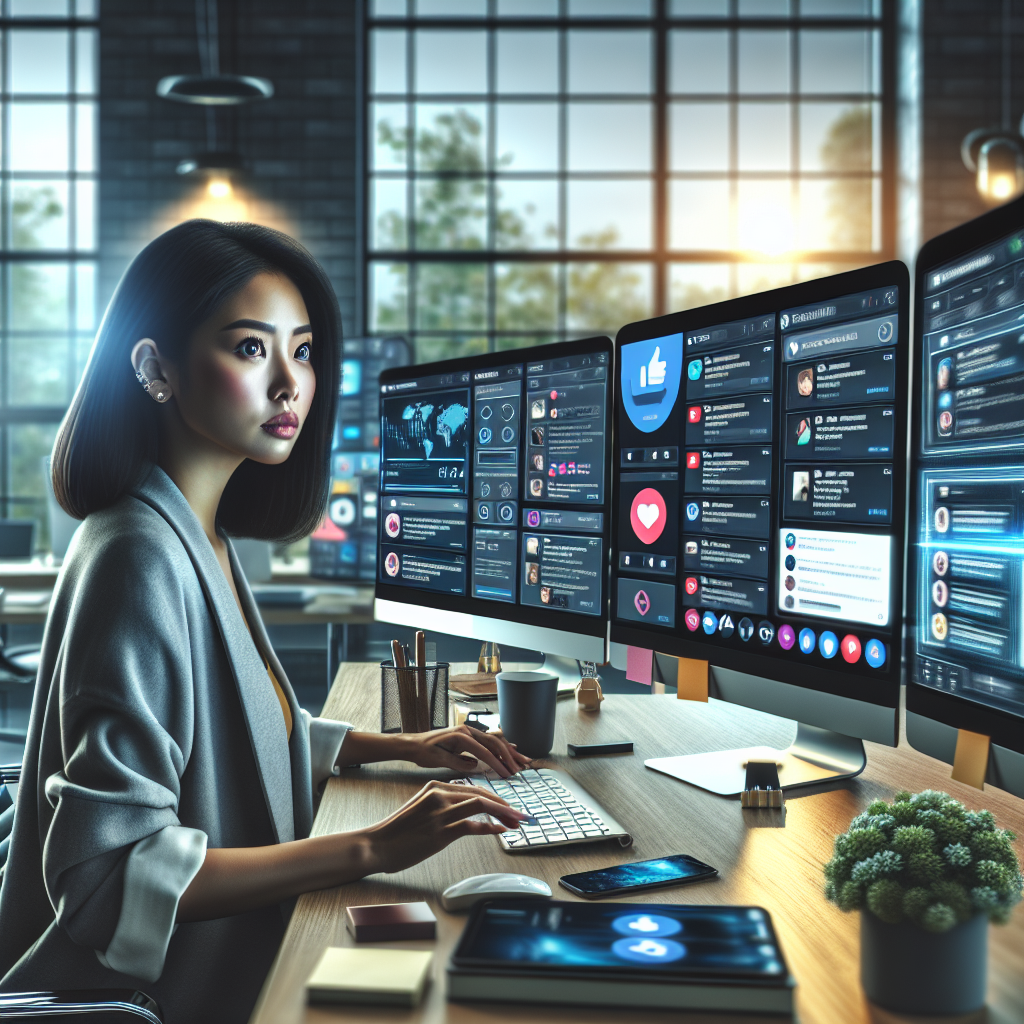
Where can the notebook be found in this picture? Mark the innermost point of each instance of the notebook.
(393, 977)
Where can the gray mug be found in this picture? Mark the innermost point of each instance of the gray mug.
(526, 707)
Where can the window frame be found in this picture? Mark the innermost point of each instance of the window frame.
(660, 256)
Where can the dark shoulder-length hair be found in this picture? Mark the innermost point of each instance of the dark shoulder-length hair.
(108, 440)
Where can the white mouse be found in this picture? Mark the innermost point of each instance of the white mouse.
(462, 895)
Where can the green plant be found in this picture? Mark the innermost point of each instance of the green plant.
(927, 859)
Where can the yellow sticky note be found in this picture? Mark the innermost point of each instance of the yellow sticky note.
(692, 679)
(970, 762)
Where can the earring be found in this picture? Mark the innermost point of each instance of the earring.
(159, 392)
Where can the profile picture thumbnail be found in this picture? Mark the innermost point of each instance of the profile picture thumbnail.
(538, 407)
(803, 432)
(944, 374)
(942, 519)
(537, 462)
(533, 518)
(391, 564)
(537, 487)
(533, 574)
(691, 547)
(790, 562)
(790, 583)
(545, 595)
(536, 435)
(940, 593)
(940, 627)
(532, 545)
(805, 382)
(801, 485)
(940, 563)
(790, 541)
(945, 423)
(393, 524)
(790, 601)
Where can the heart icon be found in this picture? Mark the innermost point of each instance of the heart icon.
(648, 515)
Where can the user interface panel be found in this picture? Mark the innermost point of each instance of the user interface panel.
(494, 484)
(968, 479)
(760, 497)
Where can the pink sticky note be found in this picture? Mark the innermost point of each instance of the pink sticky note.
(639, 665)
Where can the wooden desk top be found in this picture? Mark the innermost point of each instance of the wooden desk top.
(778, 868)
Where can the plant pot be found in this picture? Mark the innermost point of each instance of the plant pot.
(906, 969)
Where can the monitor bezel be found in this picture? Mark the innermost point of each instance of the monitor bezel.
(883, 691)
(569, 622)
(1004, 727)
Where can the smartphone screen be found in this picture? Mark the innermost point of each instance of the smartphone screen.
(644, 874)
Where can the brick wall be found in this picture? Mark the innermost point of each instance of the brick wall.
(962, 44)
(299, 146)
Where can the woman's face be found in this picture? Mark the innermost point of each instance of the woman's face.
(247, 383)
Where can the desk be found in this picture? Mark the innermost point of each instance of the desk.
(777, 868)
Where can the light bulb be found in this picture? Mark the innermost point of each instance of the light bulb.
(219, 188)
(1000, 169)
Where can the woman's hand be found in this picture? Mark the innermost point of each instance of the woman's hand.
(447, 748)
(437, 815)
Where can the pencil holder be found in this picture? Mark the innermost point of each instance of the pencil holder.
(413, 699)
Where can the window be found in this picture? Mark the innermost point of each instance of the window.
(542, 169)
(47, 234)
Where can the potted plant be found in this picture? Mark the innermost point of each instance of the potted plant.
(928, 875)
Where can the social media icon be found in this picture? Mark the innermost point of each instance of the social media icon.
(828, 644)
(709, 622)
(807, 640)
(874, 653)
(485, 435)
(692, 620)
(691, 584)
(790, 541)
(850, 649)
(765, 632)
(790, 562)
(650, 372)
(726, 626)
(694, 369)
(647, 925)
(746, 628)
(647, 515)
(642, 602)
(693, 414)
(533, 518)
(693, 460)
(648, 950)
(787, 637)
(885, 331)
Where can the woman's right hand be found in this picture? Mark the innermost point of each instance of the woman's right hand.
(436, 816)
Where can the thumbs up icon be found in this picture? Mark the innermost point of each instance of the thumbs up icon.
(656, 369)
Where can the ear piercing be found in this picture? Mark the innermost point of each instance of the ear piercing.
(157, 390)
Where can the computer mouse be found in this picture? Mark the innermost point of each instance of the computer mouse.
(462, 895)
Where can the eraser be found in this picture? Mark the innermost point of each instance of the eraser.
(388, 922)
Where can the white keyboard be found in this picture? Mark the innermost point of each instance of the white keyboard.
(561, 811)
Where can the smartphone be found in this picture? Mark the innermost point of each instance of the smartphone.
(643, 874)
(593, 749)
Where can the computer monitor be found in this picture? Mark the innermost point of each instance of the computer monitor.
(759, 485)
(345, 545)
(494, 493)
(965, 593)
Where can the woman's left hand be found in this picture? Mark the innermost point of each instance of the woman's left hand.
(448, 748)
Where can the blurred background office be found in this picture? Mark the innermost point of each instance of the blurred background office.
(474, 175)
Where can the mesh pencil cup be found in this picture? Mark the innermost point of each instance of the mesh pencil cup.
(413, 699)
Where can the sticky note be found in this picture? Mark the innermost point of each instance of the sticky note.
(639, 665)
(385, 976)
(970, 762)
(692, 680)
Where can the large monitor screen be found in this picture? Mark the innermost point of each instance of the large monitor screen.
(760, 485)
(966, 591)
(495, 485)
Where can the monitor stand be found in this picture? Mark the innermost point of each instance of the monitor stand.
(567, 670)
(816, 755)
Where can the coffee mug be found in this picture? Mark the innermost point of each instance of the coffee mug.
(526, 708)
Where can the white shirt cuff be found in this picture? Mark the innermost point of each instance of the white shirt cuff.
(159, 869)
(325, 739)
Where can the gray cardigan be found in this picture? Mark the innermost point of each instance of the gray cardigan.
(155, 732)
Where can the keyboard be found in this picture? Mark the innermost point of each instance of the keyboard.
(561, 811)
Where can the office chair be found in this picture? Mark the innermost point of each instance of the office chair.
(97, 1006)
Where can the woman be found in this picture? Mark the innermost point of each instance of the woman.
(170, 776)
